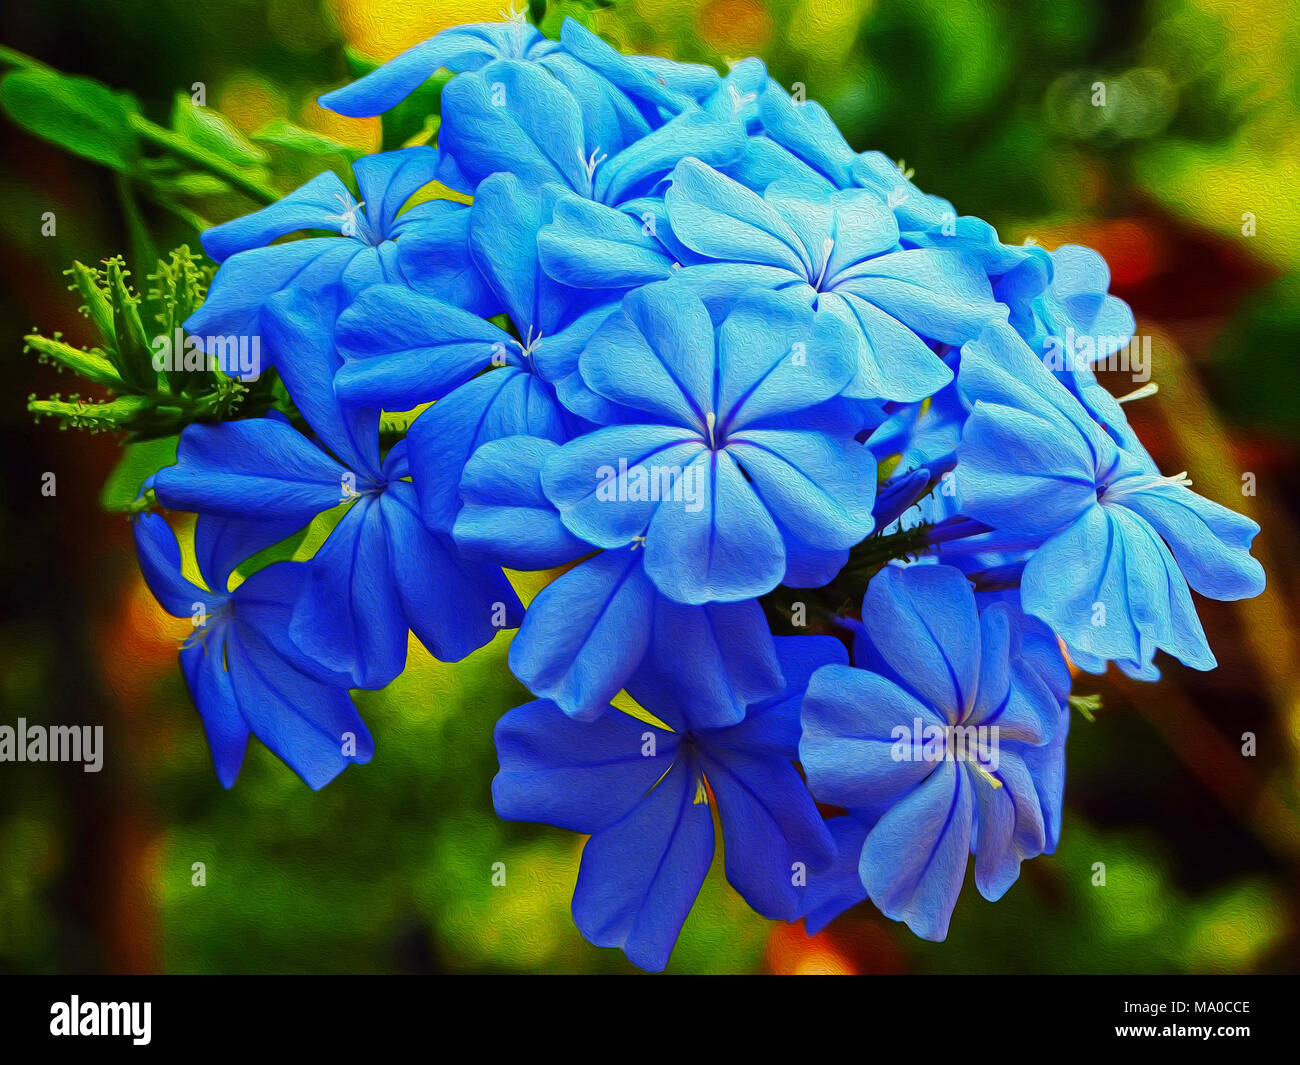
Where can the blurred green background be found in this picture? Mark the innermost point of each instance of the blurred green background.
(1185, 181)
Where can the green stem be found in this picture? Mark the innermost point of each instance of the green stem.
(213, 164)
(136, 506)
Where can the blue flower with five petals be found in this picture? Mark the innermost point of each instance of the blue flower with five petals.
(243, 674)
(423, 246)
(931, 742)
(643, 787)
(1114, 542)
(720, 427)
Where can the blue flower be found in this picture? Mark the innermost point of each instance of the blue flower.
(380, 572)
(1115, 543)
(424, 247)
(930, 742)
(643, 788)
(1077, 302)
(840, 253)
(242, 672)
(636, 92)
(402, 349)
(719, 464)
(662, 352)
(516, 117)
(458, 49)
(590, 629)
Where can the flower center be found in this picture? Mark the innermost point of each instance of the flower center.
(1111, 492)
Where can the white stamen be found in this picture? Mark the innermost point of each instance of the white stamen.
(350, 225)
(1178, 480)
(530, 343)
(596, 159)
(737, 100)
(711, 420)
(1148, 389)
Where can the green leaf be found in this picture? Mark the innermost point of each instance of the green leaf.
(283, 134)
(190, 186)
(358, 63)
(77, 114)
(138, 462)
(212, 131)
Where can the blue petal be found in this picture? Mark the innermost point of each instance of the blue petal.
(585, 633)
(160, 563)
(1107, 585)
(453, 605)
(461, 48)
(728, 548)
(349, 618)
(920, 622)
(838, 888)
(656, 356)
(601, 506)
(516, 117)
(998, 368)
(504, 223)
(247, 280)
(306, 723)
(1009, 825)
(771, 831)
(821, 489)
(504, 402)
(1210, 543)
(640, 876)
(433, 256)
(506, 515)
(254, 468)
(893, 362)
(211, 688)
(610, 119)
(579, 775)
(914, 860)
(402, 349)
(322, 203)
(851, 748)
(1047, 766)
(640, 169)
(808, 132)
(775, 357)
(638, 76)
(222, 544)
(941, 294)
(387, 180)
(1021, 474)
(721, 657)
(303, 322)
(588, 245)
(771, 726)
(721, 219)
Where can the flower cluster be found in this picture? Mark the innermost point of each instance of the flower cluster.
(820, 516)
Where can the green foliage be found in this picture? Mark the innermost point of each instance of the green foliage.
(146, 401)
(78, 114)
